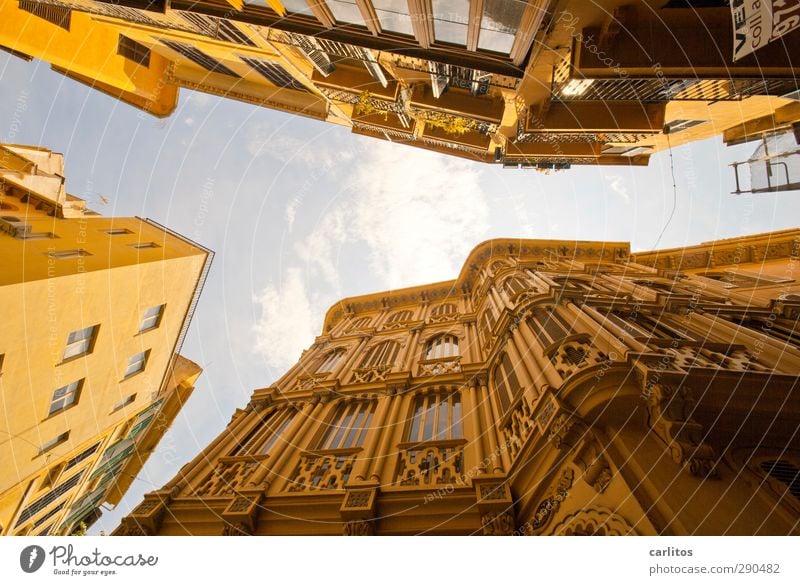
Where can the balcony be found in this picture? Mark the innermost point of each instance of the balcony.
(430, 464)
(368, 375)
(328, 470)
(596, 117)
(230, 475)
(355, 80)
(460, 104)
(439, 366)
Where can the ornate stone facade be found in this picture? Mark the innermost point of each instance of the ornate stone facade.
(595, 393)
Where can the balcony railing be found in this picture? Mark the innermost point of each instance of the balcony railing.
(440, 366)
(229, 475)
(431, 464)
(323, 471)
(366, 375)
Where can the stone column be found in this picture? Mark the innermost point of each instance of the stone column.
(535, 350)
(472, 429)
(368, 454)
(489, 426)
(385, 453)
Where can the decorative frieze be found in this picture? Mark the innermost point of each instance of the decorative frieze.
(367, 375)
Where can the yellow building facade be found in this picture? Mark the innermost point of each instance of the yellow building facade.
(95, 310)
(552, 388)
(534, 84)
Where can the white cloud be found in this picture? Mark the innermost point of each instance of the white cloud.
(279, 144)
(189, 121)
(618, 186)
(418, 213)
(286, 325)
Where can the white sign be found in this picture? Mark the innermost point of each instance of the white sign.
(756, 23)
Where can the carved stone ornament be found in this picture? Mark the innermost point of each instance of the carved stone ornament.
(359, 528)
(549, 506)
(669, 411)
(498, 523)
(235, 529)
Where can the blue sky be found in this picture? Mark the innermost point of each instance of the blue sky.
(302, 213)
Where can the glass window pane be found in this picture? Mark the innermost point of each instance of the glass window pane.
(393, 16)
(499, 24)
(292, 6)
(450, 18)
(456, 431)
(345, 11)
(430, 414)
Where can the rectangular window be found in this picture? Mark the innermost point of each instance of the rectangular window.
(273, 73)
(393, 16)
(38, 236)
(346, 11)
(145, 245)
(499, 24)
(450, 18)
(678, 125)
(65, 396)
(38, 505)
(437, 417)
(118, 231)
(196, 56)
(64, 254)
(54, 442)
(136, 364)
(133, 51)
(124, 402)
(349, 426)
(80, 342)
(2, 359)
(151, 318)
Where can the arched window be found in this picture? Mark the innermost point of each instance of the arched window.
(785, 472)
(646, 326)
(515, 285)
(548, 326)
(400, 316)
(349, 426)
(436, 417)
(444, 309)
(784, 330)
(265, 434)
(443, 346)
(383, 354)
(331, 360)
(360, 323)
(487, 323)
(506, 383)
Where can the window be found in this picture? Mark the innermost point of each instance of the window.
(64, 254)
(80, 342)
(151, 318)
(506, 383)
(646, 326)
(54, 442)
(744, 279)
(346, 11)
(330, 361)
(37, 236)
(118, 231)
(82, 456)
(265, 434)
(437, 417)
(443, 346)
(400, 316)
(499, 24)
(124, 402)
(292, 6)
(144, 245)
(445, 309)
(393, 16)
(40, 504)
(781, 329)
(487, 323)
(2, 359)
(349, 426)
(515, 285)
(383, 354)
(450, 18)
(198, 57)
(548, 326)
(133, 51)
(360, 323)
(273, 73)
(785, 472)
(219, 28)
(53, 14)
(65, 396)
(678, 125)
(136, 364)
